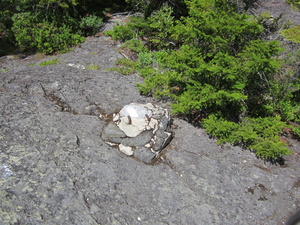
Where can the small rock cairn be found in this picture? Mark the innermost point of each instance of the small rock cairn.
(139, 130)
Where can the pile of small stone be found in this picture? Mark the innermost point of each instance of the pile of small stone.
(139, 130)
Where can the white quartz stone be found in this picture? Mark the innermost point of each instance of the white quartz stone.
(126, 149)
(78, 66)
(135, 111)
(154, 124)
(135, 127)
(116, 117)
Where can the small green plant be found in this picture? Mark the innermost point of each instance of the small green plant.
(125, 62)
(3, 70)
(46, 37)
(292, 34)
(121, 32)
(269, 149)
(295, 3)
(135, 45)
(161, 25)
(145, 59)
(125, 66)
(93, 67)
(287, 24)
(90, 24)
(261, 135)
(296, 130)
(123, 70)
(50, 62)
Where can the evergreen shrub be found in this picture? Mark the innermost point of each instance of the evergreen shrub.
(214, 64)
(258, 134)
(124, 66)
(292, 34)
(30, 24)
(90, 24)
(135, 45)
(295, 3)
(121, 32)
(44, 37)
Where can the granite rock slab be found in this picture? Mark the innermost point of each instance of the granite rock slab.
(56, 169)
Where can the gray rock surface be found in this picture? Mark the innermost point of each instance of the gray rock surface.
(55, 168)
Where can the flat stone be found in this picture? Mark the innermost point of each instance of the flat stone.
(140, 140)
(144, 154)
(112, 133)
(162, 141)
(164, 122)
